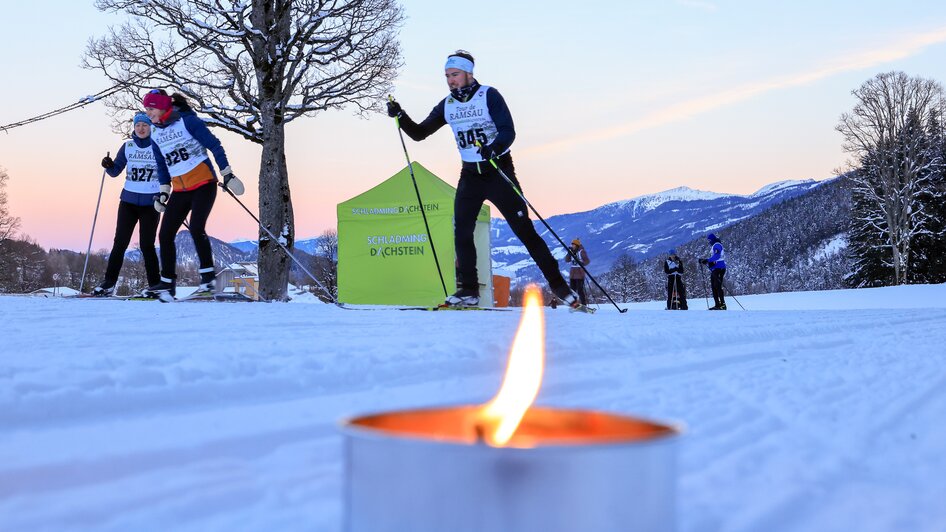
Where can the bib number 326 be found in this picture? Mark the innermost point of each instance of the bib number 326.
(176, 156)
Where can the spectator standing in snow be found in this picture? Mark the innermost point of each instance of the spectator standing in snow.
(180, 142)
(717, 266)
(576, 275)
(676, 290)
(483, 130)
(136, 158)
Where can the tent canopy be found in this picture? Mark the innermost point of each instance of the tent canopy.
(384, 254)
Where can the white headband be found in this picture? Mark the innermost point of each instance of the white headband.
(460, 63)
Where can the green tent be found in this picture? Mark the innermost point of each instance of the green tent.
(384, 256)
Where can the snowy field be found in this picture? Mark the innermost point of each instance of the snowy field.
(809, 412)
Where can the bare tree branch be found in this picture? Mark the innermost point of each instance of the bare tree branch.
(251, 67)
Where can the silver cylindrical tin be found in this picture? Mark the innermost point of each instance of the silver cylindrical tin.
(564, 471)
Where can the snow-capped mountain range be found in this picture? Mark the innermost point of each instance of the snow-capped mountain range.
(309, 245)
(640, 227)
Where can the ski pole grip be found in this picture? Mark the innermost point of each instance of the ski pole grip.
(397, 119)
(491, 161)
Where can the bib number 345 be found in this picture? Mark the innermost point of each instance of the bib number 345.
(469, 137)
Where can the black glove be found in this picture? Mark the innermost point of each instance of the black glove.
(702, 261)
(107, 162)
(487, 153)
(711, 264)
(394, 109)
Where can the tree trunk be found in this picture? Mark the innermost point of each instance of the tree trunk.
(275, 207)
(275, 203)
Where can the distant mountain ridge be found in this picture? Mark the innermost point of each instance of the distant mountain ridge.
(797, 244)
(309, 245)
(224, 254)
(652, 201)
(640, 227)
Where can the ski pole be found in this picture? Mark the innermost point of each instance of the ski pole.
(547, 226)
(420, 203)
(284, 248)
(728, 287)
(705, 291)
(675, 300)
(91, 233)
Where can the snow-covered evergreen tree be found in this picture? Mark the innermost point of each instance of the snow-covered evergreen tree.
(624, 282)
(929, 257)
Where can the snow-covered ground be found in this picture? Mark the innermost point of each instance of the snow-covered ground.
(810, 412)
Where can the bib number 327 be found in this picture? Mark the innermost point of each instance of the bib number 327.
(142, 174)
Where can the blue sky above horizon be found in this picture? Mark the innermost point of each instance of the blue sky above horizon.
(611, 100)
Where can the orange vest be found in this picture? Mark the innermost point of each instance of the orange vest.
(198, 177)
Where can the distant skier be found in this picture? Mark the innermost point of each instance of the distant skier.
(136, 158)
(180, 143)
(478, 114)
(676, 290)
(717, 265)
(576, 275)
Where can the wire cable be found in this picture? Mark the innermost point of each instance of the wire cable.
(92, 98)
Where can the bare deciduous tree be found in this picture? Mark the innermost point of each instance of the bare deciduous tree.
(327, 257)
(624, 281)
(8, 223)
(251, 67)
(886, 132)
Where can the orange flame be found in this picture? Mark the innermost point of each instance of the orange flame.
(502, 415)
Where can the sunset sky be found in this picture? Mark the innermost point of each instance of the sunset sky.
(611, 100)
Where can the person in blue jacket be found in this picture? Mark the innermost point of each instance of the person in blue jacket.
(483, 131)
(136, 158)
(717, 265)
(180, 142)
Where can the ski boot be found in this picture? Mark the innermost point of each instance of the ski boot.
(207, 284)
(164, 290)
(106, 289)
(570, 298)
(464, 297)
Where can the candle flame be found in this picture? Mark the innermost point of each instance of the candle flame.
(502, 415)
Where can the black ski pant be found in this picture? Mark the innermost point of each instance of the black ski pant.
(146, 218)
(484, 183)
(578, 285)
(676, 282)
(716, 281)
(198, 203)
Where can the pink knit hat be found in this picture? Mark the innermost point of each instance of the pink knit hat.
(156, 100)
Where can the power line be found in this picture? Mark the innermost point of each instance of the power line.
(86, 100)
